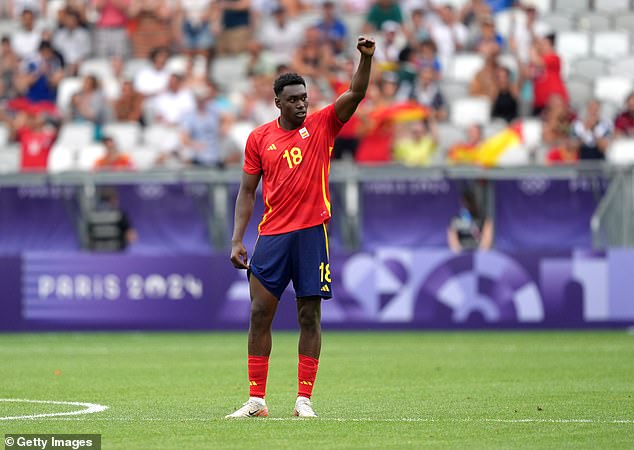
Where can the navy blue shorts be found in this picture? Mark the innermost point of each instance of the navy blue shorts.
(299, 256)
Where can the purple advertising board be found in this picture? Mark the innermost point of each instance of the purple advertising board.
(390, 287)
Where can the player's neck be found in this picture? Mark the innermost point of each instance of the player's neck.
(286, 125)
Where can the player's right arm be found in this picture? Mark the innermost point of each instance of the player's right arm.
(244, 209)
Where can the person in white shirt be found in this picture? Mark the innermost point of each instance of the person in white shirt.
(72, 41)
(153, 80)
(449, 34)
(171, 106)
(282, 36)
(26, 41)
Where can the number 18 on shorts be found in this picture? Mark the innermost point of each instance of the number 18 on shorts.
(299, 256)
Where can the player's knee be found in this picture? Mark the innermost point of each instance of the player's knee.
(309, 319)
(261, 317)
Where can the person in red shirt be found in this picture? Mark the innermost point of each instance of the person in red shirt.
(36, 137)
(113, 159)
(292, 157)
(546, 73)
(624, 122)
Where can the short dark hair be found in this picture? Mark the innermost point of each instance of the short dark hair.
(287, 79)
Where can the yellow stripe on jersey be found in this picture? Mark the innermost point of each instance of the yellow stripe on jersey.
(266, 214)
(323, 189)
(326, 236)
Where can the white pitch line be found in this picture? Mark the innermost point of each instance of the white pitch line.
(358, 419)
(91, 408)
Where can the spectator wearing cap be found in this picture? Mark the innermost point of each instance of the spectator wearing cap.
(389, 45)
(110, 31)
(153, 80)
(26, 40)
(624, 122)
(380, 12)
(113, 159)
(333, 29)
(72, 41)
(281, 36)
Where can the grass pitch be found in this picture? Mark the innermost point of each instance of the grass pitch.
(374, 390)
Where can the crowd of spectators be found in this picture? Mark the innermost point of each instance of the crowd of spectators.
(121, 52)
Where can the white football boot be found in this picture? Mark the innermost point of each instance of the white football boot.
(303, 408)
(255, 407)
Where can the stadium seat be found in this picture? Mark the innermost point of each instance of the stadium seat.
(8, 27)
(457, 4)
(177, 64)
(509, 61)
(610, 110)
(88, 155)
(76, 134)
(68, 87)
(99, 67)
(464, 66)
(531, 132)
(161, 138)
(621, 151)
(4, 135)
(611, 44)
(240, 132)
(589, 68)
(597, 21)
(542, 6)
(504, 20)
(612, 88)
(111, 87)
(133, 66)
(61, 158)
(453, 90)
(495, 126)
(469, 110)
(572, 6)
(143, 157)
(558, 21)
(449, 134)
(354, 23)
(229, 70)
(623, 20)
(623, 67)
(572, 44)
(580, 91)
(125, 134)
(610, 6)
(10, 159)
(53, 7)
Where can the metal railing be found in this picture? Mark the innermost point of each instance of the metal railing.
(613, 222)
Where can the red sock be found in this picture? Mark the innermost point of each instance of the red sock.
(306, 374)
(258, 370)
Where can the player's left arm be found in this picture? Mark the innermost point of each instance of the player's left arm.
(347, 103)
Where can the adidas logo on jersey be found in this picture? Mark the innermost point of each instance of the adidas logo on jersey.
(325, 288)
(272, 147)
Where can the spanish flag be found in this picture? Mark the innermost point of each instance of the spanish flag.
(493, 150)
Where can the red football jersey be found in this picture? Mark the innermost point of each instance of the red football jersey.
(295, 166)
